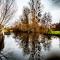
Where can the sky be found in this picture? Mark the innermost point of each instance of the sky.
(52, 6)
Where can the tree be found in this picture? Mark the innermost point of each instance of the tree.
(46, 19)
(25, 18)
(7, 9)
(32, 20)
(35, 9)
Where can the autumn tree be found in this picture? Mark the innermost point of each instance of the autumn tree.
(34, 14)
(25, 19)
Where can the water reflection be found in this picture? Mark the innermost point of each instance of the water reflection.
(31, 46)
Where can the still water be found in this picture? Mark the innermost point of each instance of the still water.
(32, 46)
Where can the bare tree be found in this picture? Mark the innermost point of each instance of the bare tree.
(26, 12)
(46, 19)
(35, 7)
(7, 9)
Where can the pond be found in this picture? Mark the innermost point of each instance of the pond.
(33, 46)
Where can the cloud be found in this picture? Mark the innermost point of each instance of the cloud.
(56, 3)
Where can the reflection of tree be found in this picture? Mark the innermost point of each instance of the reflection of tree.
(46, 42)
(1, 41)
(31, 44)
(35, 53)
(35, 48)
(46, 45)
(25, 42)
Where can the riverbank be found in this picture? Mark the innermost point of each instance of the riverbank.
(54, 32)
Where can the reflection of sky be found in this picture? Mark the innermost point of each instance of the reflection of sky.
(14, 53)
(11, 49)
(55, 43)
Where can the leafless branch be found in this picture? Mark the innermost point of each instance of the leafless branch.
(7, 9)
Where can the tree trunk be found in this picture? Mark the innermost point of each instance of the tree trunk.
(1, 41)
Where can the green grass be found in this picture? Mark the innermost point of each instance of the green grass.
(54, 32)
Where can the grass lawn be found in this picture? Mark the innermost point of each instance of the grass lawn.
(54, 32)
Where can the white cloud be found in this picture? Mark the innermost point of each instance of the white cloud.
(55, 12)
(47, 6)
